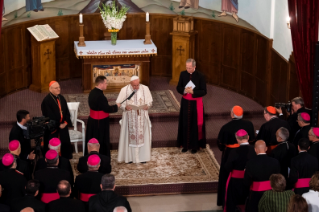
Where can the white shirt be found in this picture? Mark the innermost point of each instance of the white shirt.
(21, 126)
(312, 198)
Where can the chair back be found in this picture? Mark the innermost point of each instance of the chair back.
(73, 108)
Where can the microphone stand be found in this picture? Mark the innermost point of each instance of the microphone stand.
(128, 98)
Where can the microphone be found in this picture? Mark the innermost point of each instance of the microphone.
(130, 96)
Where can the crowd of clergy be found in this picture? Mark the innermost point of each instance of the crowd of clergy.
(275, 171)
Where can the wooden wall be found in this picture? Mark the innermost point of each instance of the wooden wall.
(230, 56)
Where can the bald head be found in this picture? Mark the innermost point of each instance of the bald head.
(260, 147)
(28, 209)
(55, 89)
(120, 209)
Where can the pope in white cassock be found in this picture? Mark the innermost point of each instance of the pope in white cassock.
(136, 136)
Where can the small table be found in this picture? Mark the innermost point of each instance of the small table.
(118, 63)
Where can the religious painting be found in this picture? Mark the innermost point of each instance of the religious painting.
(116, 75)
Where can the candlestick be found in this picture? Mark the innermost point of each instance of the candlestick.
(147, 17)
(81, 18)
(81, 38)
(148, 33)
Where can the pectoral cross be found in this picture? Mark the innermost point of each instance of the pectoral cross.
(47, 53)
(180, 50)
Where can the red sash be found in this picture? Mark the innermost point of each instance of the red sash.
(48, 197)
(85, 197)
(98, 114)
(232, 145)
(234, 174)
(200, 111)
(260, 186)
(271, 148)
(302, 183)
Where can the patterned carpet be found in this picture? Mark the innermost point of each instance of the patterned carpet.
(163, 102)
(167, 166)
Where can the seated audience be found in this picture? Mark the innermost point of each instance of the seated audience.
(88, 184)
(304, 124)
(277, 199)
(94, 148)
(257, 174)
(30, 198)
(51, 176)
(312, 197)
(3, 207)
(107, 199)
(314, 138)
(236, 191)
(64, 163)
(297, 204)
(12, 182)
(303, 166)
(284, 151)
(65, 203)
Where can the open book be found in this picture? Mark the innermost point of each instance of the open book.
(42, 32)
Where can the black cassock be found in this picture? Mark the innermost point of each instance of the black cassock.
(105, 165)
(268, 130)
(63, 164)
(99, 128)
(284, 152)
(314, 150)
(187, 126)
(301, 133)
(303, 165)
(50, 108)
(259, 169)
(16, 133)
(226, 136)
(237, 191)
(65, 204)
(292, 121)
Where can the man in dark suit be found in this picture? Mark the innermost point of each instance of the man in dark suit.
(29, 200)
(51, 176)
(314, 138)
(64, 163)
(304, 123)
(17, 133)
(268, 130)
(65, 203)
(12, 182)
(257, 174)
(3, 207)
(93, 149)
(107, 199)
(284, 151)
(303, 166)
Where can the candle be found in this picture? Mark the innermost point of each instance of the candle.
(81, 18)
(147, 17)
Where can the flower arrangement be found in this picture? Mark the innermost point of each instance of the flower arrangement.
(112, 17)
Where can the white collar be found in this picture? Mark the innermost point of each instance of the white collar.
(21, 126)
(261, 154)
(246, 143)
(193, 72)
(302, 151)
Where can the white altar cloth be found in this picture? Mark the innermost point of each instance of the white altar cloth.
(104, 48)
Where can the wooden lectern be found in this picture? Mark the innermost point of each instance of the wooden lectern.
(43, 64)
(183, 45)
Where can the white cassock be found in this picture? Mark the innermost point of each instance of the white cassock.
(136, 135)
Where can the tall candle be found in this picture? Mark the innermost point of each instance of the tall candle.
(81, 18)
(147, 17)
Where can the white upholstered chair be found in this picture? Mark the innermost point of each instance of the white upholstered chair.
(75, 135)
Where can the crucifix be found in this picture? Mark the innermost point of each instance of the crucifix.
(180, 50)
(47, 53)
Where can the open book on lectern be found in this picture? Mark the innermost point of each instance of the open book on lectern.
(42, 32)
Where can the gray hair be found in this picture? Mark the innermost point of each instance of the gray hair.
(237, 117)
(56, 148)
(283, 133)
(120, 209)
(299, 101)
(191, 60)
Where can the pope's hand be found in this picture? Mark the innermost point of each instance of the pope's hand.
(128, 108)
(145, 108)
(118, 105)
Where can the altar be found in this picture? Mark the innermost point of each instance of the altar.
(117, 63)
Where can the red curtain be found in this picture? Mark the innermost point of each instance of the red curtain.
(1, 8)
(304, 16)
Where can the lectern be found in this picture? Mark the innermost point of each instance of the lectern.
(183, 46)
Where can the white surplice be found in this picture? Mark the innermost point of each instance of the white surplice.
(136, 136)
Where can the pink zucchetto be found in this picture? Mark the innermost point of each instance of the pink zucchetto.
(305, 116)
(7, 159)
(93, 141)
(14, 145)
(241, 133)
(315, 131)
(51, 154)
(94, 160)
(55, 142)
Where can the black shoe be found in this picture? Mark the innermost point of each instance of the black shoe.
(186, 7)
(129, 162)
(180, 7)
(194, 151)
(143, 162)
(184, 150)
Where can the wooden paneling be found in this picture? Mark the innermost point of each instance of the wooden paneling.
(230, 56)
